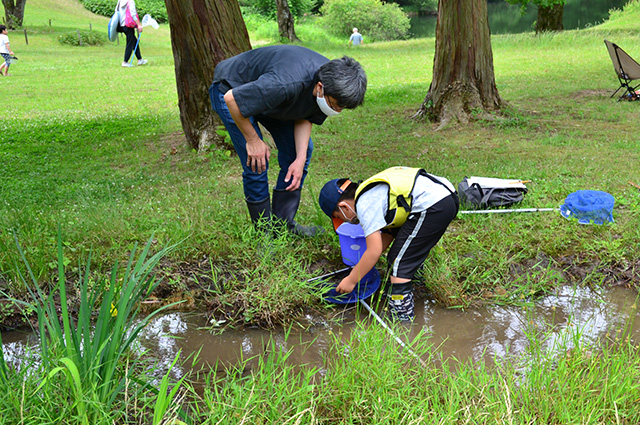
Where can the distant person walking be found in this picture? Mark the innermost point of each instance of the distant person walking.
(356, 38)
(123, 7)
(5, 50)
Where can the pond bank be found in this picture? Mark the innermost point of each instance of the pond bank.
(193, 286)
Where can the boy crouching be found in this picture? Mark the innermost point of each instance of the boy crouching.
(405, 208)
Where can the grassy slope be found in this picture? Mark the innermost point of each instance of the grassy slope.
(62, 68)
(97, 149)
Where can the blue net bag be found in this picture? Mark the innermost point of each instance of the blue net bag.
(364, 289)
(588, 207)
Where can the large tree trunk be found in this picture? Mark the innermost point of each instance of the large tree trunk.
(14, 12)
(285, 21)
(463, 83)
(550, 18)
(203, 33)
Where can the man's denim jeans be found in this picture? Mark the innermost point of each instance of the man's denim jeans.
(256, 185)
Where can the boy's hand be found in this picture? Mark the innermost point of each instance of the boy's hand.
(346, 285)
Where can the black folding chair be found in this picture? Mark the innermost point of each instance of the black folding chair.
(627, 70)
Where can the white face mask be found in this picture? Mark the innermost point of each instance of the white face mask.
(354, 220)
(324, 106)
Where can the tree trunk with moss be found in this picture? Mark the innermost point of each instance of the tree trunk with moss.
(285, 21)
(203, 33)
(550, 18)
(14, 13)
(463, 85)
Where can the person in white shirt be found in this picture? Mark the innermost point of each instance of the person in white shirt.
(5, 50)
(123, 7)
(356, 38)
(404, 209)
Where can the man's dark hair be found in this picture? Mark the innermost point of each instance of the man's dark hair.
(3, 27)
(344, 80)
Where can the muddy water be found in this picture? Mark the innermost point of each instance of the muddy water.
(479, 334)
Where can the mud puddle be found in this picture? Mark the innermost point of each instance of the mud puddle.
(479, 334)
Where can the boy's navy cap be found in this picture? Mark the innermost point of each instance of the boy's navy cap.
(329, 196)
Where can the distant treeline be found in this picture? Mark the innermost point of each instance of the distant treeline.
(155, 8)
(299, 8)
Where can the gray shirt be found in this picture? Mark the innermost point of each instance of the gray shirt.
(276, 81)
(356, 38)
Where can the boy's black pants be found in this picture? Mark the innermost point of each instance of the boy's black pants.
(418, 235)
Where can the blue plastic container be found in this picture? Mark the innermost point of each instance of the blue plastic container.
(352, 243)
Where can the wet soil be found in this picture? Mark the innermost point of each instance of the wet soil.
(191, 284)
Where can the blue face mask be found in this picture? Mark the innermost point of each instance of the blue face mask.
(324, 106)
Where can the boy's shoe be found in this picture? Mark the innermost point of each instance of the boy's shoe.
(142, 61)
(127, 65)
(401, 303)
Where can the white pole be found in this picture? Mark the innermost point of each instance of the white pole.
(374, 314)
(384, 325)
(505, 211)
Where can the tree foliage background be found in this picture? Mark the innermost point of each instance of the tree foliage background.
(268, 8)
(155, 8)
(375, 20)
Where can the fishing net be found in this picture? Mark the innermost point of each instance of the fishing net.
(364, 289)
(588, 207)
(147, 20)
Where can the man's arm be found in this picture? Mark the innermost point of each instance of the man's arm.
(301, 134)
(258, 153)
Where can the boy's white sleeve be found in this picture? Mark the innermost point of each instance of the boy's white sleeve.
(372, 207)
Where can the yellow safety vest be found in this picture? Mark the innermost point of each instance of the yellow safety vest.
(401, 181)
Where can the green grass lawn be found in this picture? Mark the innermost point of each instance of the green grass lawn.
(98, 151)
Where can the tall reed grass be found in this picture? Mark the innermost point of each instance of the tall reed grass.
(91, 346)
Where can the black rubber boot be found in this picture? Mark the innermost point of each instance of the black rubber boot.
(284, 208)
(260, 213)
(401, 303)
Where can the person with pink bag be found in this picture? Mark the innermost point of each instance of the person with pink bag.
(129, 22)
